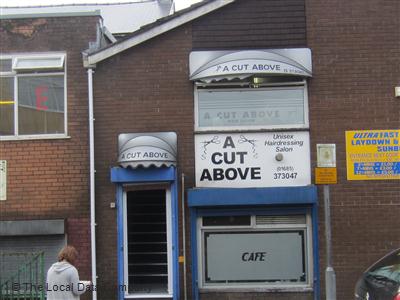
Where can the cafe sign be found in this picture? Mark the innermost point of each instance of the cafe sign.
(252, 159)
(255, 257)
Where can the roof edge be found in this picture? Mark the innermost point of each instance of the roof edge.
(170, 24)
(52, 15)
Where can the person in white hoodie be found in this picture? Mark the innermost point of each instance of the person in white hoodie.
(63, 278)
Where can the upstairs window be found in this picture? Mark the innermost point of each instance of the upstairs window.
(32, 96)
(255, 104)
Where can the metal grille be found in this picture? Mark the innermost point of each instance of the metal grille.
(27, 281)
(147, 242)
(280, 220)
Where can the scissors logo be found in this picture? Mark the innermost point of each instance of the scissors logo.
(243, 139)
(214, 140)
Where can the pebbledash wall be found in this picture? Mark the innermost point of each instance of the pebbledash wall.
(47, 200)
(147, 89)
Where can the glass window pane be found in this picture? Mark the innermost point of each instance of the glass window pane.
(388, 268)
(6, 106)
(227, 221)
(257, 257)
(41, 104)
(5, 65)
(55, 62)
(258, 107)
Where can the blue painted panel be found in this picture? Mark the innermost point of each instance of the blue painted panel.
(121, 175)
(317, 279)
(252, 196)
(175, 238)
(120, 240)
(193, 238)
(251, 210)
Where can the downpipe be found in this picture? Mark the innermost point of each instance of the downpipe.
(92, 182)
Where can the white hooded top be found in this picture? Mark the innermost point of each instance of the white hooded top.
(63, 282)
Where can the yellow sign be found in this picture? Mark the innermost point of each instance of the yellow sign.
(373, 154)
(325, 175)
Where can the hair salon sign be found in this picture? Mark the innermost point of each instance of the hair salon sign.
(252, 159)
(210, 65)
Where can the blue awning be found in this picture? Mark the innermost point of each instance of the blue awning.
(201, 197)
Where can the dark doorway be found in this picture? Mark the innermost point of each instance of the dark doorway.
(147, 242)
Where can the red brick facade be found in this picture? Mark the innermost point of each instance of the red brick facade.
(136, 94)
(146, 88)
(49, 178)
(355, 56)
(356, 53)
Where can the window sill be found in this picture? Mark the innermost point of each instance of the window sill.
(250, 129)
(283, 289)
(34, 137)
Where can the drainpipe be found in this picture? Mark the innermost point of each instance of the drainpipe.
(184, 238)
(92, 187)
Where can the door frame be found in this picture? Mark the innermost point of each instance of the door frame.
(168, 218)
(123, 177)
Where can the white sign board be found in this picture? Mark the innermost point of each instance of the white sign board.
(326, 155)
(225, 64)
(254, 257)
(252, 159)
(3, 180)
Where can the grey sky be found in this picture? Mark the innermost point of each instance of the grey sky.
(179, 4)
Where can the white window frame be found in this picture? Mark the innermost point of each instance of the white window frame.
(58, 66)
(280, 85)
(34, 72)
(256, 287)
(169, 249)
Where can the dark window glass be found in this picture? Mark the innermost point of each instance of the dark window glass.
(5, 65)
(41, 104)
(6, 106)
(227, 221)
(147, 242)
(388, 268)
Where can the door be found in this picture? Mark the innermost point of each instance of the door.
(148, 243)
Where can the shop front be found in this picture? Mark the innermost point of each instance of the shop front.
(254, 240)
(147, 214)
(253, 209)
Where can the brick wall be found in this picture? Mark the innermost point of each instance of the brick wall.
(49, 178)
(79, 236)
(354, 60)
(147, 89)
(252, 24)
(356, 57)
(140, 90)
